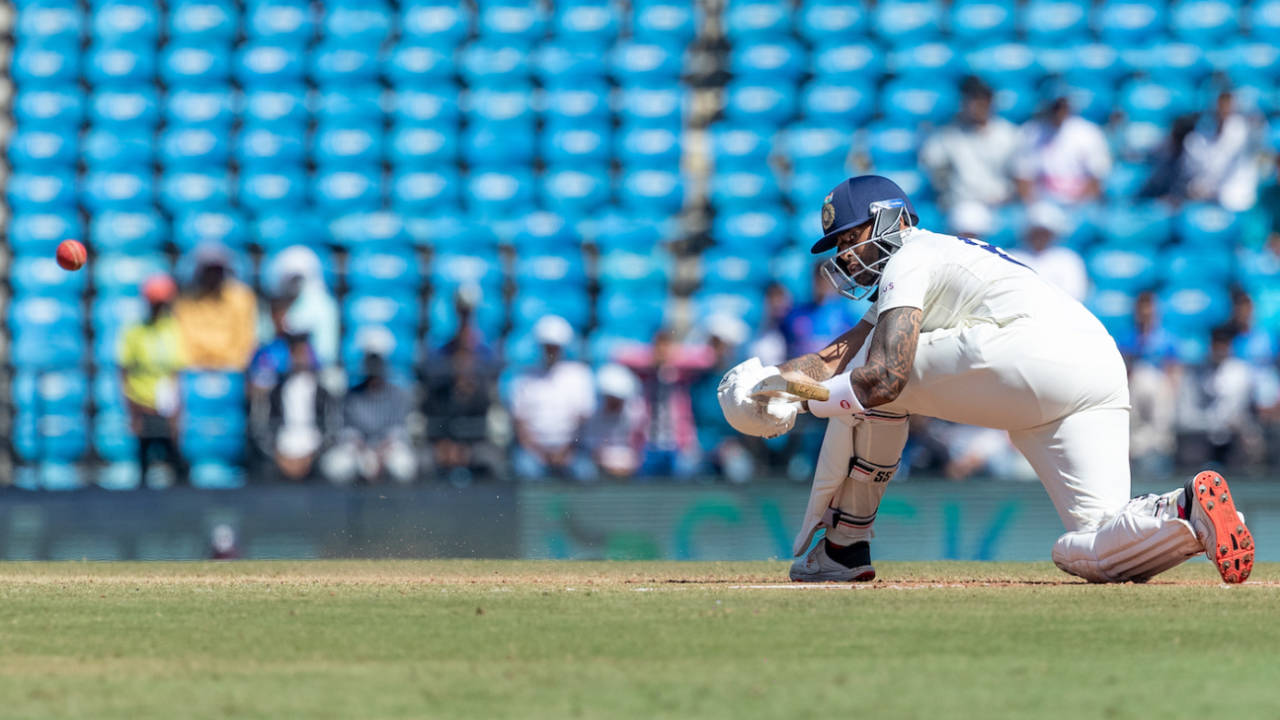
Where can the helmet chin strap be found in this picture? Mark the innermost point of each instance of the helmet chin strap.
(886, 232)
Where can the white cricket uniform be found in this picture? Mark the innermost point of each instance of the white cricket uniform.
(1001, 348)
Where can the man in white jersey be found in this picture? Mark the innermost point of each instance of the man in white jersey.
(961, 331)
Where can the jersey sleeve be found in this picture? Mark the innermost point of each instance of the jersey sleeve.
(905, 280)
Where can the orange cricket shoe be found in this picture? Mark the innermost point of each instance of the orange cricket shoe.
(1227, 542)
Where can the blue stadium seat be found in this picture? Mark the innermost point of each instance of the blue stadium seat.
(51, 437)
(648, 147)
(928, 64)
(813, 181)
(906, 100)
(573, 142)
(838, 103)
(1004, 64)
(1134, 225)
(51, 392)
(50, 24)
(111, 314)
(741, 303)
(1129, 21)
(214, 475)
(192, 148)
(38, 64)
(1114, 308)
(1092, 100)
(810, 144)
(268, 188)
(574, 191)
(344, 190)
(667, 19)
(1264, 19)
(279, 229)
(459, 268)
(195, 62)
(402, 357)
(499, 105)
(114, 442)
(451, 233)
(549, 272)
(334, 64)
(118, 190)
(119, 476)
(1122, 268)
(110, 150)
(41, 275)
(1178, 63)
(439, 22)
(498, 193)
(37, 149)
(418, 146)
(411, 64)
(593, 24)
(288, 23)
(207, 106)
(736, 146)
(195, 190)
(1205, 21)
(283, 105)
(431, 106)
(424, 192)
(1055, 22)
(1195, 309)
(115, 63)
(346, 105)
(741, 189)
(61, 107)
(211, 392)
(760, 229)
(380, 268)
(364, 231)
(663, 105)
(129, 21)
(204, 21)
(821, 20)
(982, 20)
(631, 315)
(633, 63)
(46, 333)
(542, 232)
(223, 226)
(1140, 138)
(259, 65)
(761, 104)
(363, 24)
(40, 232)
(1156, 102)
(527, 307)
(558, 62)
(122, 274)
(518, 25)
(259, 145)
(750, 19)
(125, 108)
(140, 232)
(212, 437)
(347, 145)
(1206, 226)
(487, 62)
(652, 190)
(907, 20)
(1186, 266)
(584, 101)
(1016, 103)
(391, 308)
(852, 62)
(634, 269)
(725, 270)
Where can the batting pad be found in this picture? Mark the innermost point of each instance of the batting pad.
(854, 467)
(1141, 541)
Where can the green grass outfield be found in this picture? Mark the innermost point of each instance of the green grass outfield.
(483, 640)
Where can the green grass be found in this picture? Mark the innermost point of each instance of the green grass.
(485, 640)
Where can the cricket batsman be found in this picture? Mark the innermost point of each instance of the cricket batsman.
(961, 331)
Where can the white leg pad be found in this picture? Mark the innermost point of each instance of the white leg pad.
(1141, 541)
(854, 467)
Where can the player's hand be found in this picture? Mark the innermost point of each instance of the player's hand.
(758, 417)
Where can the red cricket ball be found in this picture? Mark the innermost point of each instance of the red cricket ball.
(71, 255)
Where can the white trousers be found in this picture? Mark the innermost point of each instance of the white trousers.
(1062, 395)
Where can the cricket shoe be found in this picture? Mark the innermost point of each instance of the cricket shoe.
(1227, 542)
(817, 566)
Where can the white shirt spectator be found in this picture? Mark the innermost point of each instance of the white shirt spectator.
(1221, 166)
(1061, 161)
(972, 163)
(553, 402)
(1060, 266)
(1152, 397)
(1216, 400)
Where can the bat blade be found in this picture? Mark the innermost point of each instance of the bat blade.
(780, 387)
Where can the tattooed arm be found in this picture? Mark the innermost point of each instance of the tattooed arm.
(831, 360)
(890, 358)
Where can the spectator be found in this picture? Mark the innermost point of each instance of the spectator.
(1221, 158)
(217, 318)
(667, 372)
(615, 435)
(459, 405)
(770, 344)
(296, 275)
(273, 359)
(373, 444)
(298, 412)
(468, 335)
(1061, 266)
(971, 160)
(1269, 205)
(729, 453)
(1153, 400)
(550, 403)
(1063, 157)
(151, 356)
(1147, 339)
(1168, 179)
(811, 325)
(1253, 344)
(1214, 411)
